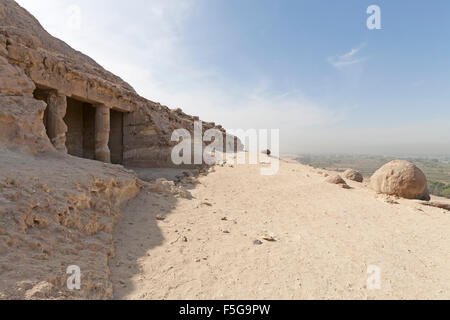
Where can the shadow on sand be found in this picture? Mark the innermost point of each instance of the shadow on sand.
(138, 231)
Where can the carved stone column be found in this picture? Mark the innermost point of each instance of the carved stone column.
(102, 128)
(56, 127)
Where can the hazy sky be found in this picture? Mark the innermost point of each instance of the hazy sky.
(310, 68)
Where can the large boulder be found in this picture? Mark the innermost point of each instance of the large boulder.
(400, 178)
(353, 175)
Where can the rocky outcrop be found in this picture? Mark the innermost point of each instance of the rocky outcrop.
(400, 178)
(52, 217)
(39, 60)
(53, 64)
(353, 175)
(21, 125)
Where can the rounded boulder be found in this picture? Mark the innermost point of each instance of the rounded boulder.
(400, 178)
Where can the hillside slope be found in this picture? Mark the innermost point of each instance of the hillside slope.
(326, 237)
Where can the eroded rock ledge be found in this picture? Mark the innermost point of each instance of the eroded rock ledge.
(52, 217)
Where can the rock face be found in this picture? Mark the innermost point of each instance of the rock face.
(400, 178)
(353, 175)
(36, 66)
(21, 123)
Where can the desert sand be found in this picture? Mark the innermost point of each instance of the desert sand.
(171, 247)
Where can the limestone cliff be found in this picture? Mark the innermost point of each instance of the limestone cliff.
(41, 60)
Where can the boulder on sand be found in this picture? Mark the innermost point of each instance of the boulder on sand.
(400, 178)
(353, 175)
(337, 179)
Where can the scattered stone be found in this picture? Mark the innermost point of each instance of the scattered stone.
(392, 201)
(160, 217)
(257, 242)
(269, 238)
(337, 179)
(206, 204)
(188, 174)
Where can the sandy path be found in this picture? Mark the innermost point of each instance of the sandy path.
(326, 238)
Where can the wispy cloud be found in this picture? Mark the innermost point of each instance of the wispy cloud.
(350, 58)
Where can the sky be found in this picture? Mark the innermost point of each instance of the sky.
(312, 69)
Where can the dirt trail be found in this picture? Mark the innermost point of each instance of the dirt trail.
(326, 237)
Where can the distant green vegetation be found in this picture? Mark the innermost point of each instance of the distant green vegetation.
(440, 189)
(437, 169)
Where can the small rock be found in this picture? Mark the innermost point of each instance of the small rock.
(337, 179)
(206, 204)
(257, 242)
(391, 201)
(353, 175)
